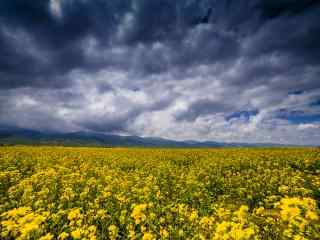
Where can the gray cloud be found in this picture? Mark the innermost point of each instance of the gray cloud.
(204, 107)
(155, 68)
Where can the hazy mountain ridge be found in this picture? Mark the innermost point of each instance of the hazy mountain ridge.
(32, 137)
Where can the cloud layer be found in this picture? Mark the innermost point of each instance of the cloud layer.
(249, 72)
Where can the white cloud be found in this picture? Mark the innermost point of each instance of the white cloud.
(306, 126)
(148, 108)
(55, 8)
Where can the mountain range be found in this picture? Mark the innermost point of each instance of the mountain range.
(19, 136)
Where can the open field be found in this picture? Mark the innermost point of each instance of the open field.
(97, 193)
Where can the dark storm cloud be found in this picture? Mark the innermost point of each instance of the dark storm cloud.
(110, 124)
(204, 107)
(296, 36)
(79, 18)
(275, 8)
(133, 61)
(59, 42)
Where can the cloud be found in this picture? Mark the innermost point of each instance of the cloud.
(306, 126)
(55, 7)
(152, 68)
(203, 107)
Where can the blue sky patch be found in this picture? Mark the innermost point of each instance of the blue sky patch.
(243, 114)
(315, 103)
(297, 117)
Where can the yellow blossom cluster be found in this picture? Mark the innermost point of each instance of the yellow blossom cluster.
(67, 193)
(22, 223)
(299, 216)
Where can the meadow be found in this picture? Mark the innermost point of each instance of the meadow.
(131, 193)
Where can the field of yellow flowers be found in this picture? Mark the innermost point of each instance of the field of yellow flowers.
(119, 193)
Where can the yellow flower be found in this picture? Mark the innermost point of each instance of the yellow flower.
(21, 211)
(299, 237)
(259, 211)
(48, 236)
(106, 194)
(193, 216)
(164, 233)
(138, 213)
(206, 222)
(63, 236)
(233, 231)
(312, 215)
(291, 208)
(92, 229)
(76, 234)
(223, 227)
(181, 233)
(9, 225)
(77, 193)
(74, 214)
(143, 228)
(29, 228)
(148, 236)
(132, 234)
(121, 198)
(242, 213)
(222, 212)
(113, 231)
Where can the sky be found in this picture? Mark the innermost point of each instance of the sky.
(219, 70)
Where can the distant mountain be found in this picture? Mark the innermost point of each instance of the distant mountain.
(13, 136)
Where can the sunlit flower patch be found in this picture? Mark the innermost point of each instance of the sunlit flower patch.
(101, 193)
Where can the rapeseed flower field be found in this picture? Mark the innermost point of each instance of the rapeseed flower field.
(104, 193)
